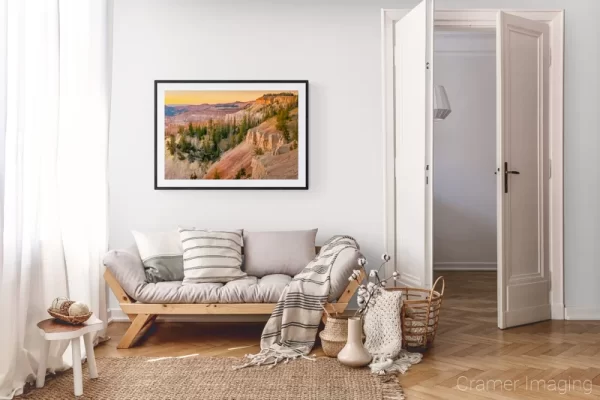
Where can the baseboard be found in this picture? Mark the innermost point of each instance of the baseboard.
(558, 311)
(465, 266)
(116, 315)
(582, 313)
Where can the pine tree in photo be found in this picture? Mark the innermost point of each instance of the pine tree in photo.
(282, 119)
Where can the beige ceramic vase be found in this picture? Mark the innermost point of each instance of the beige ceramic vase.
(354, 353)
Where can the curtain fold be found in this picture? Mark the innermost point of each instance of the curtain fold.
(54, 116)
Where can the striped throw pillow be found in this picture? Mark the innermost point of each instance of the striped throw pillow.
(211, 255)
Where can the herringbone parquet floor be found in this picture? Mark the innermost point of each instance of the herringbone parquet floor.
(471, 357)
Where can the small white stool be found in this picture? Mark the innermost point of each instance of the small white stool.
(53, 330)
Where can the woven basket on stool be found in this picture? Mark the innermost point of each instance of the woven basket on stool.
(334, 336)
(71, 319)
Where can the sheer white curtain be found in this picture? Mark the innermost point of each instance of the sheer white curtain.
(55, 58)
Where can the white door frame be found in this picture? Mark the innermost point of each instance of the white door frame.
(485, 19)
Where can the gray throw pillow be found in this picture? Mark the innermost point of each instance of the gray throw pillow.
(162, 255)
(286, 252)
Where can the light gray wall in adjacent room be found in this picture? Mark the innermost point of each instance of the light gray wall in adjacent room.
(464, 146)
(336, 45)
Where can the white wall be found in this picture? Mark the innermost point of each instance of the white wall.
(464, 184)
(335, 48)
(335, 44)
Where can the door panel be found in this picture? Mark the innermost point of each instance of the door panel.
(413, 56)
(523, 161)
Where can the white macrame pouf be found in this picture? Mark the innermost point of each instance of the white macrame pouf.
(383, 331)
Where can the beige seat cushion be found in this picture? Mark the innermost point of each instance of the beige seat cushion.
(244, 290)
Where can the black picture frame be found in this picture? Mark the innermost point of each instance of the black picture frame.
(304, 186)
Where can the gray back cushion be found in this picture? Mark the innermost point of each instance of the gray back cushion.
(286, 252)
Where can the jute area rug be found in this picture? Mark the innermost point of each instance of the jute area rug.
(213, 378)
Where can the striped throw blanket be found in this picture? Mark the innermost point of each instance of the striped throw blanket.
(291, 330)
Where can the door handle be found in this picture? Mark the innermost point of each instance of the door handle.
(506, 172)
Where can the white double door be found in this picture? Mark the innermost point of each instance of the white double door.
(523, 164)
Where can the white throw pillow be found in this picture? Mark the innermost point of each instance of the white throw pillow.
(211, 255)
(161, 254)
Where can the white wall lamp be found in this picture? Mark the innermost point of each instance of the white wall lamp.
(441, 105)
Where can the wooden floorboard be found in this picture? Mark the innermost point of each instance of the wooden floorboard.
(470, 359)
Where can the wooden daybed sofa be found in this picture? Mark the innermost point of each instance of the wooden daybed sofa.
(143, 301)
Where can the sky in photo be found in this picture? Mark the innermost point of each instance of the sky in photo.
(194, 97)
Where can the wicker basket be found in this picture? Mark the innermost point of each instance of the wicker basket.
(74, 320)
(334, 336)
(420, 314)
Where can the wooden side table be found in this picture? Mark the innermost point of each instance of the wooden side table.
(51, 329)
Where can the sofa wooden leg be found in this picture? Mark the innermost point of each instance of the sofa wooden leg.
(138, 327)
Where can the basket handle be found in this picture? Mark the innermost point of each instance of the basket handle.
(436, 283)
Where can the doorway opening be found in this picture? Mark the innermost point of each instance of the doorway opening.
(529, 80)
(464, 165)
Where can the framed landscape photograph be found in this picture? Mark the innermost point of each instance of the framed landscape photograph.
(231, 134)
